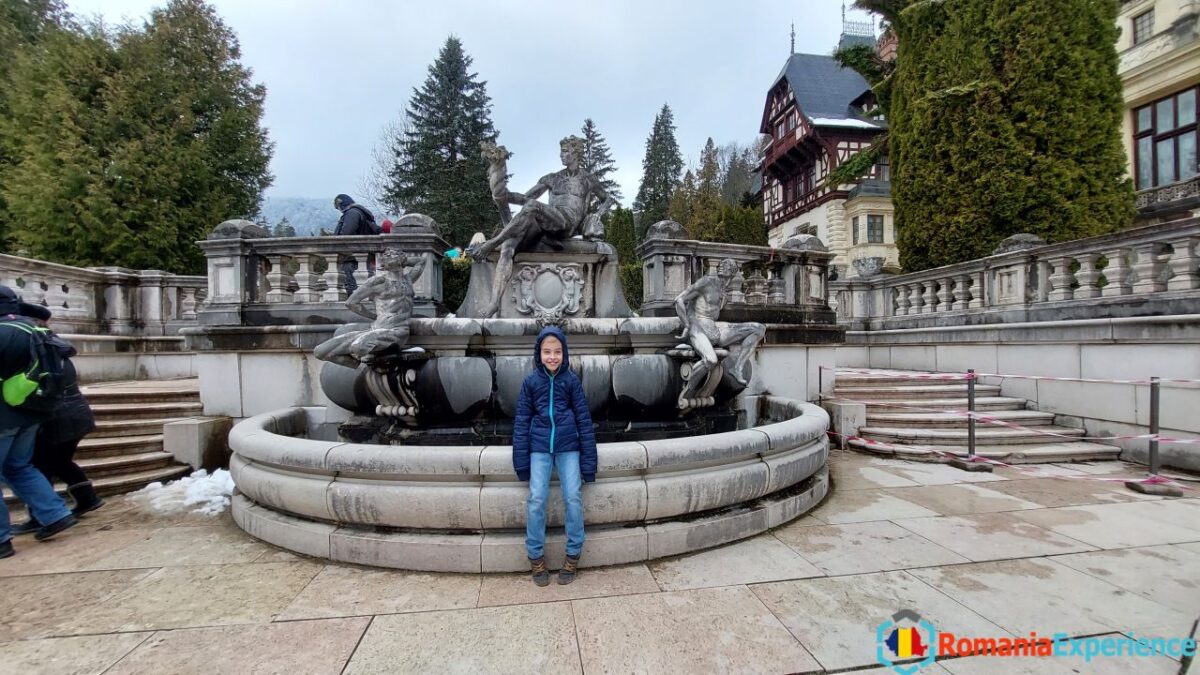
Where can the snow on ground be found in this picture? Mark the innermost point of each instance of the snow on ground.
(200, 492)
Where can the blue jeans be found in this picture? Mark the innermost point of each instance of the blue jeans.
(16, 451)
(571, 482)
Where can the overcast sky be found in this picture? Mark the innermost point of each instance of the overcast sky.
(336, 73)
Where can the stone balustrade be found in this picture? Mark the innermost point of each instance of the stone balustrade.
(786, 285)
(1145, 271)
(107, 300)
(256, 280)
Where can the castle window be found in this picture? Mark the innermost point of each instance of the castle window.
(874, 229)
(854, 230)
(1165, 140)
(1143, 27)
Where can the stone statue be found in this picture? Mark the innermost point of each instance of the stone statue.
(698, 307)
(392, 293)
(572, 191)
(497, 157)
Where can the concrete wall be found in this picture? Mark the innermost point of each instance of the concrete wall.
(1105, 349)
(107, 358)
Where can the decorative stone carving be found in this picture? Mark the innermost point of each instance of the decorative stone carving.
(238, 229)
(568, 214)
(868, 267)
(391, 293)
(805, 242)
(415, 222)
(548, 291)
(698, 308)
(666, 229)
(1019, 242)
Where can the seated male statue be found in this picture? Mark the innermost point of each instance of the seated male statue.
(572, 191)
(698, 307)
(392, 295)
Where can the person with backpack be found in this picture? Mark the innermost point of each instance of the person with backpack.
(30, 383)
(356, 220)
(58, 438)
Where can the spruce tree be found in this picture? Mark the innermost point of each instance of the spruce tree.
(1005, 118)
(621, 233)
(597, 158)
(683, 204)
(660, 171)
(706, 224)
(283, 229)
(438, 170)
(736, 179)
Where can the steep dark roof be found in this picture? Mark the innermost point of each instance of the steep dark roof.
(822, 87)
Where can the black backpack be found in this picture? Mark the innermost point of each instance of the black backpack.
(38, 389)
(368, 220)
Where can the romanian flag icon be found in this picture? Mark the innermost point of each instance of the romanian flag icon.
(906, 642)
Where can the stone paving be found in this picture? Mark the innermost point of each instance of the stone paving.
(978, 554)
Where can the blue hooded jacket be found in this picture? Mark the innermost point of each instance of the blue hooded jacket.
(552, 414)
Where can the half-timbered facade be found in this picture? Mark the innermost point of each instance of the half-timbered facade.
(817, 115)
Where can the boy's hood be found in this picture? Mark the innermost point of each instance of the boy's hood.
(549, 331)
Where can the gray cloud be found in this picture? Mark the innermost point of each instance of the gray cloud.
(336, 73)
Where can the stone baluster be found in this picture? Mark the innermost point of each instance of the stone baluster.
(918, 299)
(756, 289)
(1185, 265)
(1117, 274)
(929, 299)
(1060, 279)
(278, 280)
(900, 300)
(775, 289)
(1087, 276)
(187, 303)
(1148, 269)
(363, 271)
(962, 292)
(306, 279)
(945, 294)
(335, 290)
(736, 285)
(977, 290)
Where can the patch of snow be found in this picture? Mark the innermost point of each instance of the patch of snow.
(832, 122)
(415, 350)
(452, 315)
(201, 492)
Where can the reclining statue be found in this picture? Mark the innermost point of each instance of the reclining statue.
(698, 307)
(392, 293)
(572, 192)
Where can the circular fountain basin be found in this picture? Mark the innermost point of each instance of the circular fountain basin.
(462, 509)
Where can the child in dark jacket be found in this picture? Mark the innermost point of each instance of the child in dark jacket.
(553, 429)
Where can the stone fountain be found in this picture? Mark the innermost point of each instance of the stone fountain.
(419, 474)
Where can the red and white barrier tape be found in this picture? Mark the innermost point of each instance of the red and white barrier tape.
(967, 376)
(1023, 468)
(905, 376)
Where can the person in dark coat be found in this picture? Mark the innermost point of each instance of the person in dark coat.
(18, 430)
(356, 220)
(552, 429)
(58, 438)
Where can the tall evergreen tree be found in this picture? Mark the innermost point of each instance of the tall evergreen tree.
(622, 234)
(438, 169)
(1005, 118)
(683, 203)
(283, 228)
(737, 162)
(707, 224)
(660, 171)
(130, 147)
(597, 158)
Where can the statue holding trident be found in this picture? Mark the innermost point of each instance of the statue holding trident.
(392, 292)
(698, 308)
(572, 192)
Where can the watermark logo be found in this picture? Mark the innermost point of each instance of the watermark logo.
(906, 642)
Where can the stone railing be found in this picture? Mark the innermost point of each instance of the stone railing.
(1185, 193)
(773, 285)
(1145, 271)
(106, 300)
(257, 280)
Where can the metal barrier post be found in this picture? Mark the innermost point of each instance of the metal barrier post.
(969, 464)
(1154, 462)
(1154, 485)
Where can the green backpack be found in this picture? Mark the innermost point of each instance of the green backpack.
(38, 389)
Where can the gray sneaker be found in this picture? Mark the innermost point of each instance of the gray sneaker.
(541, 575)
(569, 571)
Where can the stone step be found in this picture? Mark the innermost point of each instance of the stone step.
(926, 420)
(122, 483)
(110, 428)
(913, 392)
(96, 467)
(119, 445)
(982, 404)
(150, 391)
(127, 411)
(958, 437)
(1067, 451)
(901, 378)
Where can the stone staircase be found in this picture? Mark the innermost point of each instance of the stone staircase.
(125, 452)
(889, 396)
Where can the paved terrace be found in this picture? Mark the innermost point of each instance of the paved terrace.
(976, 554)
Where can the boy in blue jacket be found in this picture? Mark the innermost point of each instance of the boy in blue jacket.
(553, 429)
